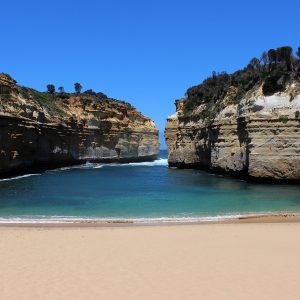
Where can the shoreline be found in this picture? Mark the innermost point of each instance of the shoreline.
(238, 219)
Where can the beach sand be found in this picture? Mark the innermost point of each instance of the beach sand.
(204, 261)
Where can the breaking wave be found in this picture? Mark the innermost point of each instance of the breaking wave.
(89, 165)
(18, 177)
(157, 162)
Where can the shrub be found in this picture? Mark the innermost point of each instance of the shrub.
(51, 89)
(89, 92)
(61, 89)
(101, 95)
(77, 87)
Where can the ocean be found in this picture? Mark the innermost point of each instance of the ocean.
(140, 192)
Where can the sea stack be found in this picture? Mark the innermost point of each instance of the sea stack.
(47, 130)
(246, 124)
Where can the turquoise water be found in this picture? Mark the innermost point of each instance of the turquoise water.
(138, 191)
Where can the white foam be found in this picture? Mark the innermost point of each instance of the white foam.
(157, 162)
(86, 165)
(18, 177)
(63, 220)
(98, 167)
(158, 220)
(89, 165)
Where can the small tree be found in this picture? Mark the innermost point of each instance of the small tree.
(255, 62)
(77, 87)
(264, 58)
(61, 89)
(298, 52)
(51, 89)
(284, 54)
(272, 55)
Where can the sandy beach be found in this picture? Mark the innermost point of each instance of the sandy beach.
(208, 261)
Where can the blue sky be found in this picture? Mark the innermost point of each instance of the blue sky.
(145, 52)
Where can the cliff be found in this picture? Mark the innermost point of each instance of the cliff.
(41, 131)
(254, 134)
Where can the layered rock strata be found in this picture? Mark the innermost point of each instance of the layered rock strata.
(259, 138)
(50, 131)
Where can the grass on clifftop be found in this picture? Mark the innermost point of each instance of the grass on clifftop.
(50, 101)
(43, 98)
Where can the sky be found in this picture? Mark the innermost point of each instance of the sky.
(144, 52)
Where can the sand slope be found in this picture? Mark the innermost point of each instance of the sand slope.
(217, 261)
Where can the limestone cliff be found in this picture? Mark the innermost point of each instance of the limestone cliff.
(40, 131)
(256, 137)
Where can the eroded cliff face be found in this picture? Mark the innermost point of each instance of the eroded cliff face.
(258, 138)
(40, 132)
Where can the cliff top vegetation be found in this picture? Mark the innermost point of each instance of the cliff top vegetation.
(53, 99)
(273, 70)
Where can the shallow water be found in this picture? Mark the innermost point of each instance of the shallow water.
(144, 191)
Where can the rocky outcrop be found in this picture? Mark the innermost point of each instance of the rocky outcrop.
(258, 138)
(41, 131)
